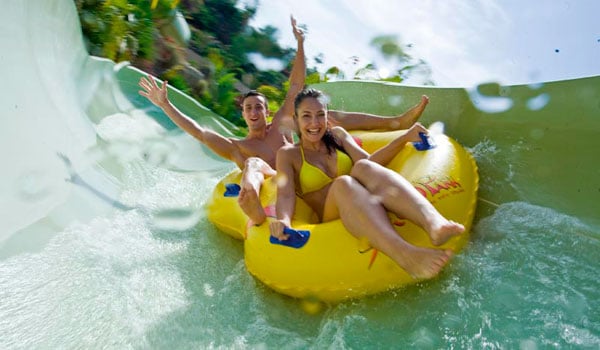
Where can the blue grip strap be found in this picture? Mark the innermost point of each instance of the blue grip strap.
(232, 190)
(297, 238)
(425, 144)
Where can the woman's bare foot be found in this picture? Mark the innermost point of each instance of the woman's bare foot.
(408, 118)
(422, 263)
(446, 230)
(250, 204)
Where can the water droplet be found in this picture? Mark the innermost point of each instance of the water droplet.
(488, 103)
(538, 102)
(395, 100)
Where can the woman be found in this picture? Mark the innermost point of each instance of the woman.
(332, 173)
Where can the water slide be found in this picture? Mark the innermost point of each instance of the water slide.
(61, 105)
(543, 135)
(83, 154)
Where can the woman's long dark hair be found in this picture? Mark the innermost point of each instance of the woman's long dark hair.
(331, 142)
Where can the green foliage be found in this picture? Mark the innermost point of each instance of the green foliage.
(117, 29)
(274, 96)
(221, 40)
(220, 18)
(221, 95)
(368, 72)
(390, 48)
(313, 78)
(175, 79)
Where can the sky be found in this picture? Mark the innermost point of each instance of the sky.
(464, 42)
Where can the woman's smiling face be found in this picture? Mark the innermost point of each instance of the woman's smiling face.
(311, 116)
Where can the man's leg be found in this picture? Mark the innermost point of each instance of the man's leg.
(253, 175)
(366, 121)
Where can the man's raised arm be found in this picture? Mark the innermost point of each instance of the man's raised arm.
(219, 144)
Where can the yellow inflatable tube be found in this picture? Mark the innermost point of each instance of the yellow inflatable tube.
(332, 265)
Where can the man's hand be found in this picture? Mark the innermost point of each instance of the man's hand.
(151, 91)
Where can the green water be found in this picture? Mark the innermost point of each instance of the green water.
(122, 256)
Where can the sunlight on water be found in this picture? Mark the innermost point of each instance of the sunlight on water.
(521, 282)
(542, 260)
(85, 280)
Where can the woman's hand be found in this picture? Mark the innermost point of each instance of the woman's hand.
(276, 227)
(298, 33)
(151, 91)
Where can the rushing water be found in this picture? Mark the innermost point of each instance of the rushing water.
(155, 273)
(121, 255)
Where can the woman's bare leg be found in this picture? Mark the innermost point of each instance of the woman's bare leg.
(369, 220)
(253, 175)
(400, 197)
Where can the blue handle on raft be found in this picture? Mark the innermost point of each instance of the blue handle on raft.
(425, 144)
(297, 238)
(232, 190)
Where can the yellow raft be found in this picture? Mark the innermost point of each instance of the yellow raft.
(333, 265)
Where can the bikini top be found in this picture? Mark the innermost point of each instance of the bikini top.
(312, 178)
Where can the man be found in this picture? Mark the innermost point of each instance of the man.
(255, 154)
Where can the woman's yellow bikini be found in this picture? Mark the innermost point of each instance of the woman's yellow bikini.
(313, 178)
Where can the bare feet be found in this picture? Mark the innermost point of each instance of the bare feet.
(422, 263)
(446, 230)
(408, 118)
(250, 204)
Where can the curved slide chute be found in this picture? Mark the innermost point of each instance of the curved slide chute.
(70, 116)
(536, 143)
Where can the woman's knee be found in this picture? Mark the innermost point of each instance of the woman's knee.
(342, 184)
(362, 167)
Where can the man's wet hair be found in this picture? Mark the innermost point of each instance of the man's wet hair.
(250, 93)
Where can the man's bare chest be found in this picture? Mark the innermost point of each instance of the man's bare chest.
(263, 148)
